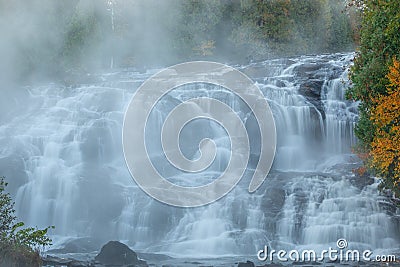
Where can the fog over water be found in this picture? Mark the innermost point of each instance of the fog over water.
(69, 70)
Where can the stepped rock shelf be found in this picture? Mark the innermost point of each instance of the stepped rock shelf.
(62, 152)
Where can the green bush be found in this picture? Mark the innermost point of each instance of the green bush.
(18, 246)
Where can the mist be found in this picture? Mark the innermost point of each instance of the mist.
(62, 40)
(69, 42)
(69, 69)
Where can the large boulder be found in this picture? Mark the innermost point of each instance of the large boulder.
(311, 90)
(115, 253)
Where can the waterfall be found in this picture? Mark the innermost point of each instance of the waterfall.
(62, 153)
(110, 3)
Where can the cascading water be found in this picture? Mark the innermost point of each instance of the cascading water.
(63, 156)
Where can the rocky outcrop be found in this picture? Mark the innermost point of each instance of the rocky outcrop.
(56, 261)
(272, 204)
(311, 90)
(115, 253)
(311, 78)
(79, 245)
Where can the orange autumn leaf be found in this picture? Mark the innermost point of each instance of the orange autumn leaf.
(385, 148)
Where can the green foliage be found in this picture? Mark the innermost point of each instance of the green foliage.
(198, 25)
(7, 217)
(379, 45)
(380, 41)
(84, 35)
(18, 244)
(287, 27)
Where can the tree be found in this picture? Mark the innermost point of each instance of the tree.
(385, 117)
(7, 213)
(18, 247)
(283, 27)
(197, 31)
(380, 41)
(378, 92)
(83, 47)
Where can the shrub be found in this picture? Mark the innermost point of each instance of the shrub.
(19, 247)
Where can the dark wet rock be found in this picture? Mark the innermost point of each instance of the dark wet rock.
(239, 214)
(311, 90)
(115, 253)
(308, 68)
(272, 204)
(319, 197)
(56, 261)
(288, 61)
(388, 206)
(311, 77)
(316, 115)
(280, 83)
(273, 200)
(246, 264)
(396, 201)
(335, 72)
(262, 70)
(255, 71)
(334, 261)
(80, 245)
(360, 181)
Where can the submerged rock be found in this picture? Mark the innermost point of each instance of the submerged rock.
(115, 253)
(246, 264)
